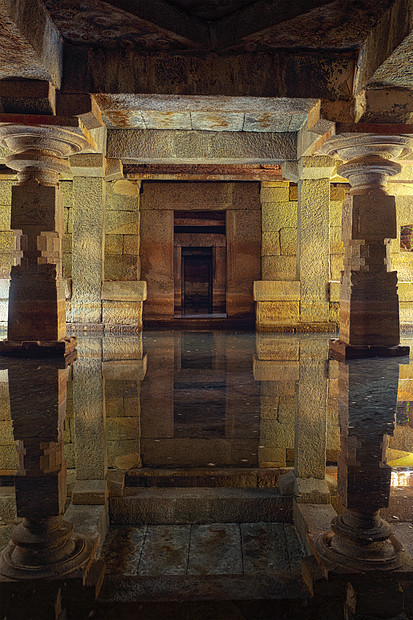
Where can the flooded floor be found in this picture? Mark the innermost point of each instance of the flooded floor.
(182, 459)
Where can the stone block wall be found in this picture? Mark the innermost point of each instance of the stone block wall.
(277, 295)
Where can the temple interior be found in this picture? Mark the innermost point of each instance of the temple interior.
(206, 309)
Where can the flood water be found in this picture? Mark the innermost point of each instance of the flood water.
(205, 409)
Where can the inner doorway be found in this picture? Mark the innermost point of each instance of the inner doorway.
(196, 280)
(200, 264)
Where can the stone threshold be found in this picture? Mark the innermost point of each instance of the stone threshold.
(199, 505)
(198, 324)
(240, 477)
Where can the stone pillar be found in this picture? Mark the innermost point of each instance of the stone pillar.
(369, 309)
(313, 240)
(37, 316)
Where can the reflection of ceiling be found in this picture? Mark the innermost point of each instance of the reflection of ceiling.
(204, 113)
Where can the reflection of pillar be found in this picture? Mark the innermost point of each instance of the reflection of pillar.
(360, 539)
(43, 545)
(369, 307)
(37, 316)
(311, 423)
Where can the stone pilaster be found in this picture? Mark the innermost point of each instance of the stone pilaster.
(313, 240)
(369, 309)
(37, 318)
(88, 247)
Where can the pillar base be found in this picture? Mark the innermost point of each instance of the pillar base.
(332, 562)
(342, 351)
(39, 348)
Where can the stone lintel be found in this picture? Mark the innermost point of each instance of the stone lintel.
(342, 351)
(280, 290)
(171, 146)
(317, 167)
(124, 291)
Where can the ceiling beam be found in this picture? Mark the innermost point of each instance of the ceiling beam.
(34, 25)
(392, 28)
(320, 75)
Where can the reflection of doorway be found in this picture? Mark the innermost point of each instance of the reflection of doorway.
(196, 280)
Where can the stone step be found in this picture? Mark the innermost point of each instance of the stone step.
(218, 561)
(240, 477)
(199, 505)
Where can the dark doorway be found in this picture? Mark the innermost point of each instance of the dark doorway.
(196, 280)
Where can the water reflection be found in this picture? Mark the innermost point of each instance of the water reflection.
(208, 409)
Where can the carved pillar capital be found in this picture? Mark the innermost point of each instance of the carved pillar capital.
(369, 158)
(39, 151)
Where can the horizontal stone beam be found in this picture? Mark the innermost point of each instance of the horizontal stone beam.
(207, 147)
(28, 22)
(389, 32)
(319, 75)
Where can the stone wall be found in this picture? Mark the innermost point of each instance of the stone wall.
(127, 240)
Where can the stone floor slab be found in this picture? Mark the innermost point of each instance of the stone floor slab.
(165, 550)
(215, 550)
(264, 548)
(123, 549)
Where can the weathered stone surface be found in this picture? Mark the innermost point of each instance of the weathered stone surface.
(266, 290)
(121, 268)
(165, 551)
(270, 244)
(157, 146)
(90, 492)
(278, 215)
(122, 222)
(311, 491)
(87, 256)
(216, 550)
(279, 268)
(277, 313)
(275, 192)
(124, 291)
(313, 232)
(288, 241)
(276, 370)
